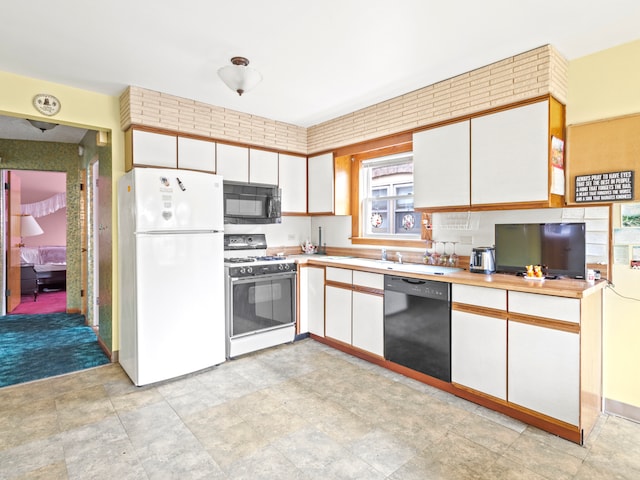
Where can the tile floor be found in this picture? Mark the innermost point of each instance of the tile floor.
(299, 411)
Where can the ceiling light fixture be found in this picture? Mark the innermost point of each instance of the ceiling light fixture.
(238, 76)
(42, 126)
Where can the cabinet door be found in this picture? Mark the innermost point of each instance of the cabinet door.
(368, 322)
(544, 370)
(510, 155)
(196, 154)
(441, 166)
(232, 162)
(312, 300)
(263, 167)
(479, 353)
(154, 149)
(321, 188)
(338, 313)
(293, 183)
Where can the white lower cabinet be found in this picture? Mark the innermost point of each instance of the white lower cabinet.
(479, 339)
(338, 313)
(544, 370)
(544, 354)
(354, 308)
(311, 300)
(368, 322)
(479, 353)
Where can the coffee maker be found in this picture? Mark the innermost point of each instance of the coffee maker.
(483, 260)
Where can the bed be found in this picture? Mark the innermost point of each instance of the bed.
(49, 264)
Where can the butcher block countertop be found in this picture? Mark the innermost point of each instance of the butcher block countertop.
(561, 287)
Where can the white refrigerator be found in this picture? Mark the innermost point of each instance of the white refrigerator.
(171, 273)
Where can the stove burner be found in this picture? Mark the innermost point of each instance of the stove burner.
(263, 258)
(269, 258)
(240, 259)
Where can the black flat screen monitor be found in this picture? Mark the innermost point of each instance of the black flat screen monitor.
(560, 247)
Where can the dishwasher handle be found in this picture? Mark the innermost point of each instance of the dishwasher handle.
(418, 287)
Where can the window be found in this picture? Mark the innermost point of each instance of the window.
(386, 191)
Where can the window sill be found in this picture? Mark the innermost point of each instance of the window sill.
(417, 243)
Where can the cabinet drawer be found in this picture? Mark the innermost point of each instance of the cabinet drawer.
(341, 275)
(479, 296)
(366, 279)
(547, 306)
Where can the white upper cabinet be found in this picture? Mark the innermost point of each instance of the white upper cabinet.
(154, 149)
(510, 155)
(232, 162)
(441, 168)
(293, 183)
(196, 154)
(263, 167)
(321, 188)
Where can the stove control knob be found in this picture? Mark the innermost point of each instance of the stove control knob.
(241, 269)
(280, 267)
(249, 269)
(286, 266)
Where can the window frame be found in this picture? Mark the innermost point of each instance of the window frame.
(356, 154)
(394, 198)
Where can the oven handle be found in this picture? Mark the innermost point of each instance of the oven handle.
(254, 278)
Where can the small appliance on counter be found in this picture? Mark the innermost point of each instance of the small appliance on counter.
(483, 260)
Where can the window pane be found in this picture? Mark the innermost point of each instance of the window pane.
(382, 181)
(404, 189)
(404, 204)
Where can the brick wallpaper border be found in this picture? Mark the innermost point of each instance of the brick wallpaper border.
(522, 77)
(525, 76)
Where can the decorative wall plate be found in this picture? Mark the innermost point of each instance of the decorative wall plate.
(408, 221)
(46, 104)
(376, 220)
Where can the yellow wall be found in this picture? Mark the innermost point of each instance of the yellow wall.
(603, 85)
(80, 108)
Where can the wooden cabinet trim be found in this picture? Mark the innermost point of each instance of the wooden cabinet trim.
(368, 290)
(485, 311)
(333, 283)
(561, 325)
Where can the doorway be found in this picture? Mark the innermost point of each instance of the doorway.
(37, 263)
(69, 151)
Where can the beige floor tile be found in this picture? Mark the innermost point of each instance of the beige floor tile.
(486, 433)
(299, 411)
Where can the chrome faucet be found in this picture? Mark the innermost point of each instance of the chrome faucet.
(399, 257)
(384, 255)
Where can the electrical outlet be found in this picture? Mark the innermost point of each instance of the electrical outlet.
(467, 239)
(291, 236)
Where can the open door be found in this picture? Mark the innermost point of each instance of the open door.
(14, 237)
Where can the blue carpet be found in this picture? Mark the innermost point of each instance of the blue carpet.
(40, 346)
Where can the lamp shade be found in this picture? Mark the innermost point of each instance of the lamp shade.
(29, 227)
(238, 76)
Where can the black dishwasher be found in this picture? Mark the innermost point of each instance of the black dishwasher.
(417, 325)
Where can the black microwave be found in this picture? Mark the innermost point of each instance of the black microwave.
(251, 203)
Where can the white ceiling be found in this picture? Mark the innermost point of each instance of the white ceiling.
(319, 59)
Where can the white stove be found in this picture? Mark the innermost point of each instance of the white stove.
(260, 295)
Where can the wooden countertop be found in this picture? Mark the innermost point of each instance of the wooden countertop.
(562, 287)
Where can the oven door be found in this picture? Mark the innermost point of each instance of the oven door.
(261, 303)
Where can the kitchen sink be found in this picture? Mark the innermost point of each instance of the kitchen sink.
(397, 267)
